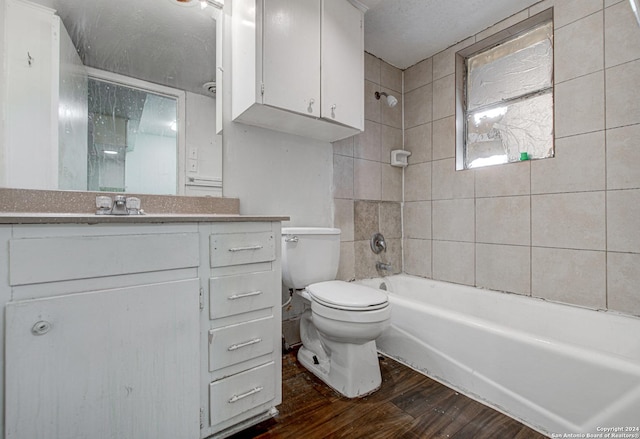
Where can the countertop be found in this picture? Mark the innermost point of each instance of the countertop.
(83, 218)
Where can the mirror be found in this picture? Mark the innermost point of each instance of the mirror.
(162, 51)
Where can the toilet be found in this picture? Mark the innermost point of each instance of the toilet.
(341, 320)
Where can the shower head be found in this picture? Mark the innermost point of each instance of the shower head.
(391, 100)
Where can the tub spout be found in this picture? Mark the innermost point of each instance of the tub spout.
(381, 266)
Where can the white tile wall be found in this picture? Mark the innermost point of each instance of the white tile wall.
(579, 48)
(418, 141)
(504, 180)
(367, 190)
(418, 75)
(453, 220)
(570, 276)
(504, 220)
(623, 221)
(579, 165)
(367, 180)
(417, 109)
(417, 182)
(417, 253)
(623, 157)
(569, 220)
(417, 219)
(623, 278)
(623, 94)
(565, 229)
(579, 105)
(444, 138)
(447, 183)
(367, 145)
(454, 261)
(503, 268)
(621, 35)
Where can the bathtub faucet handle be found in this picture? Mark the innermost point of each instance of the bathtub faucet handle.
(378, 244)
(381, 266)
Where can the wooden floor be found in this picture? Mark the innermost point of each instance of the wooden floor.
(407, 406)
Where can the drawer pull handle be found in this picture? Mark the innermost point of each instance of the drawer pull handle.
(243, 295)
(236, 398)
(241, 249)
(235, 347)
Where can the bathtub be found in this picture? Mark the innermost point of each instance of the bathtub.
(556, 368)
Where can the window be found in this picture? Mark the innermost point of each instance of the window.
(506, 96)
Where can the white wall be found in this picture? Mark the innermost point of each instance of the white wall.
(272, 172)
(276, 173)
(2, 94)
(203, 145)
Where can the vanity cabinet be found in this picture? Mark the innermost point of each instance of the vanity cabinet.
(298, 66)
(102, 331)
(160, 330)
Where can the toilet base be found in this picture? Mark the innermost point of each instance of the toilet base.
(351, 369)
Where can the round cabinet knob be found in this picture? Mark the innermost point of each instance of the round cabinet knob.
(311, 102)
(333, 111)
(41, 328)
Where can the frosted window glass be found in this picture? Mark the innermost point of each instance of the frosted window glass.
(501, 134)
(516, 68)
(509, 101)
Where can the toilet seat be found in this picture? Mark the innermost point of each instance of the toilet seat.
(347, 296)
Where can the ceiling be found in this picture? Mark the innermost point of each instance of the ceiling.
(173, 43)
(404, 32)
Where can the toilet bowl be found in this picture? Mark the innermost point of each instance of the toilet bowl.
(341, 320)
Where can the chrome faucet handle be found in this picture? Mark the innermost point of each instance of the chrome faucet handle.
(133, 206)
(378, 244)
(103, 205)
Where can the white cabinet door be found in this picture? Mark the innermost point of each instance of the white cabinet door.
(32, 65)
(120, 363)
(342, 63)
(291, 55)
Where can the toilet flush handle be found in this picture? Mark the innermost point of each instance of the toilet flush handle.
(291, 239)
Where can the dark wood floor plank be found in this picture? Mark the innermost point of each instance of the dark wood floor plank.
(408, 405)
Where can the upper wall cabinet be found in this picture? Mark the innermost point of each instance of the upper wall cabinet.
(298, 66)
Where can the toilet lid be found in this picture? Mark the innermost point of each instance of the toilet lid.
(346, 295)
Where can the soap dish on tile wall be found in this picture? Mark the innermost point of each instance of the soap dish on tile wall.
(400, 158)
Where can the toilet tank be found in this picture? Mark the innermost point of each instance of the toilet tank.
(309, 255)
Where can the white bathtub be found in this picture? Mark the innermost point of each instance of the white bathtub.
(556, 368)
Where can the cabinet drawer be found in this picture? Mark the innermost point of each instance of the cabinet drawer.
(37, 260)
(241, 248)
(231, 295)
(232, 396)
(237, 343)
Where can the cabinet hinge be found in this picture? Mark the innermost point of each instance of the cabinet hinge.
(201, 299)
(262, 89)
(202, 412)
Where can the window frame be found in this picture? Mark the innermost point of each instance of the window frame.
(460, 75)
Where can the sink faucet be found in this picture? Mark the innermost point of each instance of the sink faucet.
(121, 205)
